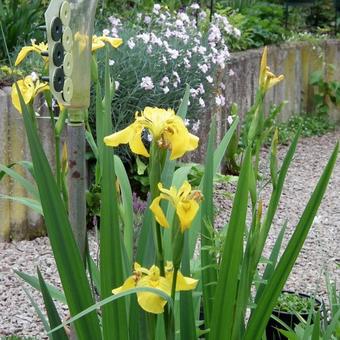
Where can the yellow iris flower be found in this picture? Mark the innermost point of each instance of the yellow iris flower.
(29, 88)
(142, 277)
(99, 42)
(267, 79)
(167, 129)
(184, 200)
(38, 48)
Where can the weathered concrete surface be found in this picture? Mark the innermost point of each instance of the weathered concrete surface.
(296, 61)
(16, 221)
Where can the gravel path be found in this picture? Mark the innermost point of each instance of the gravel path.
(321, 249)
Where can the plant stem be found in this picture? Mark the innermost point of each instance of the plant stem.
(173, 287)
(154, 177)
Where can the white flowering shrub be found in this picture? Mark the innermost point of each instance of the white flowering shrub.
(162, 52)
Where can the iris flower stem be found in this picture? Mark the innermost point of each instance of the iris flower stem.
(174, 281)
(154, 177)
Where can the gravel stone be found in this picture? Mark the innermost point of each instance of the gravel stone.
(320, 251)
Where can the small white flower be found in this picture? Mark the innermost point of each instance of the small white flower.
(173, 53)
(222, 86)
(139, 16)
(106, 32)
(231, 73)
(204, 68)
(195, 6)
(178, 79)
(230, 120)
(220, 100)
(202, 15)
(165, 61)
(209, 79)
(164, 80)
(193, 93)
(186, 122)
(147, 83)
(201, 102)
(202, 50)
(117, 85)
(145, 37)
(196, 126)
(111, 62)
(33, 41)
(147, 19)
(179, 23)
(186, 63)
(156, 8)
(131, 43)
(34, 77)
(175, 84)
(237, 32)
(201, 89)
(149, 49)
(165, 90)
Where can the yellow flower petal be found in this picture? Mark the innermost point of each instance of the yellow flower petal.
(263, 66)
(136, 144)
(121, 137)
(186, 212)
(114, 42)
(267, 79)
(97, 43)
(131, 135)
(183, 283)
(151, 302)
(129, 283)
(28, 89)
(158, 212)
(38, 48)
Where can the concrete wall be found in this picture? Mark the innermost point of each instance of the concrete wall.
(296, 61)
(16, 221)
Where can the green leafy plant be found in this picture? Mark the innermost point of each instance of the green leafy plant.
(327, 91)
(319, 324)
(20, 19)
(260, 24)
(290, 302)
(311, 125)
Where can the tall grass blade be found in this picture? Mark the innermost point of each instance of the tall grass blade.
(127, 207)
(28, 202)
(218, 156)
(187, 316)
(114, 317)
(65, 249)
(261, 314)
(51, 310)
(26, 184)
(226, 290)
(34, 282)
(38, 310)
(270, 267)
(209, 274)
